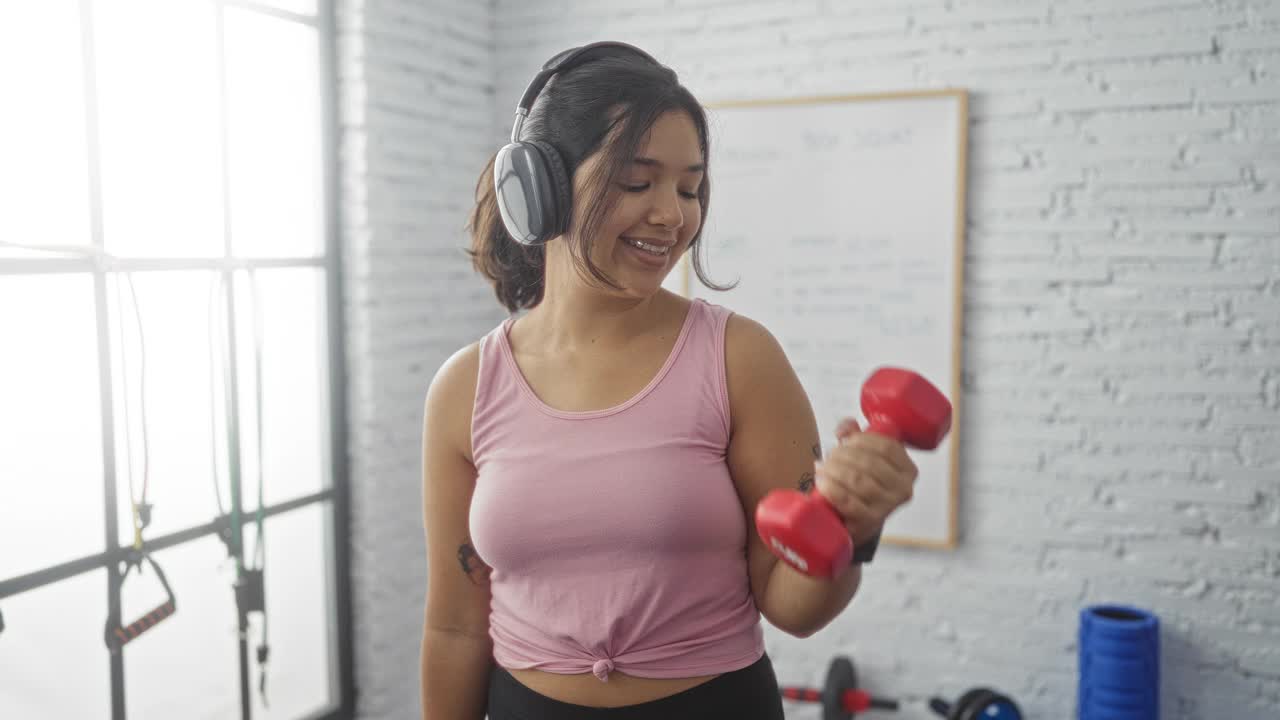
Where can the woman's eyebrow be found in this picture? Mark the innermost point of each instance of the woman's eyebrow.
(696, 167)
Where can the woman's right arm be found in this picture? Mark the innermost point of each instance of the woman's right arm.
(456, 649)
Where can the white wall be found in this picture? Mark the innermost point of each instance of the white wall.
(417, 117)
(1122, 325)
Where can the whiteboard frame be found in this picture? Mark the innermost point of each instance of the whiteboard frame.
(961, 96)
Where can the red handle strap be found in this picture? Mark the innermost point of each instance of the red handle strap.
(121, 636)
(118, 637)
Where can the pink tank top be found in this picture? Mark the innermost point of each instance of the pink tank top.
(616, 537)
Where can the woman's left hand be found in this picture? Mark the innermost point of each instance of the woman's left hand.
(865, 478)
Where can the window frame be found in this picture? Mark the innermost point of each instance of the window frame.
(92, 260)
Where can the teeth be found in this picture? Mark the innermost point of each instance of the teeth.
(653, 249)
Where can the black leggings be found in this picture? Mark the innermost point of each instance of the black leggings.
(747, 694)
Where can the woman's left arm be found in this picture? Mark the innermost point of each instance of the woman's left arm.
(774, 444)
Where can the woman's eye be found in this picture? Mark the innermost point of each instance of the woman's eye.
(641, 187)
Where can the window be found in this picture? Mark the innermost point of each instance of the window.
(172, 445)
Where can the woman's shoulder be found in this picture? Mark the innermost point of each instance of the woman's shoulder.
(451, 395)
(459, 370)
(754, 358)
(458, 374)
(744, 337)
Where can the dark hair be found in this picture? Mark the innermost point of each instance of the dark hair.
(620, 96)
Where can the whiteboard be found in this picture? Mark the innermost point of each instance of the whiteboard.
(842, 218)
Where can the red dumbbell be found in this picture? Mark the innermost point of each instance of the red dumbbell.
(803, 529)
(841, 698)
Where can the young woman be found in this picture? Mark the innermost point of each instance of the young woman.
(592, 466)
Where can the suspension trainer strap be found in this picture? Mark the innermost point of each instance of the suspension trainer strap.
(118, 637)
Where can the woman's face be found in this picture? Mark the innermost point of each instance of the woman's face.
(657, 206)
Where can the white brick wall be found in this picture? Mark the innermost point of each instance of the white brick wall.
(416, 98)
(1122, 327)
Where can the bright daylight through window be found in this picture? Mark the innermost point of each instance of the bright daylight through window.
(172, 515)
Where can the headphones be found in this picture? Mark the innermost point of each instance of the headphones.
(530, 182)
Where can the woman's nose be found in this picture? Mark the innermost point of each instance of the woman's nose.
(666, 210)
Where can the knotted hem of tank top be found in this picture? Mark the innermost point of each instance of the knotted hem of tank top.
(601, 669)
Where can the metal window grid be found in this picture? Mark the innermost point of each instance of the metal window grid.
(342, 679)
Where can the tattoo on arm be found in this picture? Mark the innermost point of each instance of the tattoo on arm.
(806, 480)
(472, 565)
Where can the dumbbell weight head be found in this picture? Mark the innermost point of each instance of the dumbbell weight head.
(974, 703)
(978, 704)
(805, 532)
(840, 695)
(903, 405)
(840, 677)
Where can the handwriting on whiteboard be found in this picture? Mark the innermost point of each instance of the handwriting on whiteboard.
(842, 222)
(869, 138)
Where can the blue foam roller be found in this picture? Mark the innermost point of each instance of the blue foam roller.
(1119, 663)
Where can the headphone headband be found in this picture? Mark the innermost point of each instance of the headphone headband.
(533, 188)
(567, 60)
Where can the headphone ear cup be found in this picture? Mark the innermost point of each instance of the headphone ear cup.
(557, 217)
(525, 192)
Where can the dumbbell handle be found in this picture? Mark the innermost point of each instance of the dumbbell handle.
(881, 425)
(852, 701)
(805, 530)
(825, 526)
(878, 425)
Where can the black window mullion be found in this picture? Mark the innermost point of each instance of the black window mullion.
(339, 527)
(231, 370)
(105, 374)
(77, 566)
